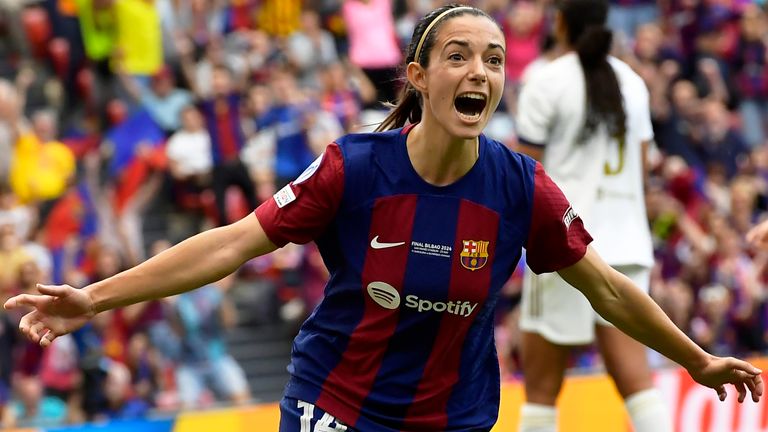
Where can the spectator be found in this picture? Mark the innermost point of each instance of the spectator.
(9, 113)
(42, 166)
(721, 144)
(735, 270)
(710, 326)
(523, 29)
(138, 46)
(60, 375)
(204, 315)
(21, 217)
(279, 17)
(287, 117)
(189, 150)
(679, 130)
(749, 65)
(259, 153)
(162, 98)
(9, 340)
(12, 257)
(625, 17)
(34, 409)
(200, 76)
(373, 43)
(121, 403)
(344, 92)
(310, 48)
(261, 54)
(222, 116)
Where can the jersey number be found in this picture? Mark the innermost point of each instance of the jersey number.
(322, 425)
(607, 168)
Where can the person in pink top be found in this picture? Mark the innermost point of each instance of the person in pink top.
(373, 45)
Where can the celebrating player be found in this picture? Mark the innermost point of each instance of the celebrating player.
(419, 227)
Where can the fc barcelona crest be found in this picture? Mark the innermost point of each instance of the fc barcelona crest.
(474, 254)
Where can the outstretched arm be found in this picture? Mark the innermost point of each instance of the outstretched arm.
(617, 299)
(201, 259)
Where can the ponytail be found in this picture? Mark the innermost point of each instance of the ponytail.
(594, 45)
(585, 21)
(408, 109)
(604, 101)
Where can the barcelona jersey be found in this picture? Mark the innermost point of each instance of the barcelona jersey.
(403, 338)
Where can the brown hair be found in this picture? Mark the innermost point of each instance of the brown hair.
(587, 33)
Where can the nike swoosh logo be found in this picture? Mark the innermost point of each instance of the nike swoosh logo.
(376, 244)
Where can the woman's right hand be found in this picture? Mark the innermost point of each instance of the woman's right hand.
(56, 311)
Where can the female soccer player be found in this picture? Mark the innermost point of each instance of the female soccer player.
(586, 117)
(420, 227)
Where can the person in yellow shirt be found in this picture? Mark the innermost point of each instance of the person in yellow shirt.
(138, 40)
(42, 167)
(279, 17)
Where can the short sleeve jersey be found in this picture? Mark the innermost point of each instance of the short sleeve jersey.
(403, 338)
(601, 176)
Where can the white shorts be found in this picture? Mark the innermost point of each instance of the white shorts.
(560, 313)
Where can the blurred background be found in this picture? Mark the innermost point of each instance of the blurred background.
(129, 125)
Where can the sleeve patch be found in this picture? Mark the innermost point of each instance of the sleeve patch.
(569, 216)
(284, 196)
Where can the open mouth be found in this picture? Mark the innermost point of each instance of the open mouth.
(470, 105)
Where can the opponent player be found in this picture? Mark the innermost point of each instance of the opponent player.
(419, 227)
(585, 115)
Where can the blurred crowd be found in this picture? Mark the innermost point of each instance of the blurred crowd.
(129, 125)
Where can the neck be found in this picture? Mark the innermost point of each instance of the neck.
(439, 158)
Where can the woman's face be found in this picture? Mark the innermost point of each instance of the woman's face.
(464, 81)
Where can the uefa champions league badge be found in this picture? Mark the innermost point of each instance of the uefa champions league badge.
(284, 196)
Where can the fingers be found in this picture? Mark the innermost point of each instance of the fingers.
(52, 290)
(721, 393)
(752, 385)
(29, 326)
(35, 331)
(759, 389)
(746, 376)
(47, 338)
(741, 388)
(742, 368)
(23, 300)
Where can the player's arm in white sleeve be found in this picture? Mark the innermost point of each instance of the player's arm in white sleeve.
(616, 298)
(535, 113)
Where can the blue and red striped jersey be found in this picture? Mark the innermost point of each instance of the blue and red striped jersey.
(403, 338)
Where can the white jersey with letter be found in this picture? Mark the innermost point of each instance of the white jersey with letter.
(603, 179)
(601, 176)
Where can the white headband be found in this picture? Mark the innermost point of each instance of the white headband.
(432, 24)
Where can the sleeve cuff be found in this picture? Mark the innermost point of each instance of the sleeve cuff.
(528, 142)
(267, 222)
